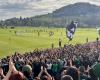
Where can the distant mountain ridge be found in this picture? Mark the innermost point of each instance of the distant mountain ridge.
(77, 9)
(88, 15)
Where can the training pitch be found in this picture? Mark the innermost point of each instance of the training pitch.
(27, 39)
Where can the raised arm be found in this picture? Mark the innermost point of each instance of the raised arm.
(1, 73)
(39, 75)
(11, 69)
(49, 76)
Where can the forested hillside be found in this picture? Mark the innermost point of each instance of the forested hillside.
(88, 15)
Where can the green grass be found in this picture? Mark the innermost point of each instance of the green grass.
(25, 41)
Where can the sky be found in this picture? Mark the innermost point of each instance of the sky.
(29, 8)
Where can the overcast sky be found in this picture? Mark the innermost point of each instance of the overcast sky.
(28, 8)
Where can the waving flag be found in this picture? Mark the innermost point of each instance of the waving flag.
(70, 30)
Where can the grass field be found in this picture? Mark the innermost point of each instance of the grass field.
(27, 39)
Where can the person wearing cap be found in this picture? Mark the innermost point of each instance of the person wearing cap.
(27, 71)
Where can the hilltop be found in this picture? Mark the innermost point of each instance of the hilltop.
(85, 13)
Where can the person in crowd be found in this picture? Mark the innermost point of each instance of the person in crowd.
(54, 68)
(83, 76)
(73, 72)
(13, 74)
(71, 60)
(36, 67)
(49, 66)
(27, 71)
(44, 75)
(1, 73)
(66, 77)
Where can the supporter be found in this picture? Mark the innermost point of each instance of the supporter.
(44, 75)
(67, 60)
(13, 74)
(54, 68)
(92, 75)
(83, 76)
(96, 69)
(66, 77)
(73, 72)
(36, 67)
(49, 66)
(27, 71)
(1, 73)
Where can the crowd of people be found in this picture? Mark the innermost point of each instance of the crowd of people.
(71, 62)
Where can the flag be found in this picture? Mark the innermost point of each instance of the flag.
(70, 30)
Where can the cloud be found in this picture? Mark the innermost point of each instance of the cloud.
(22, 1)
(95, 0)
(12, 7)
(27, 8)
